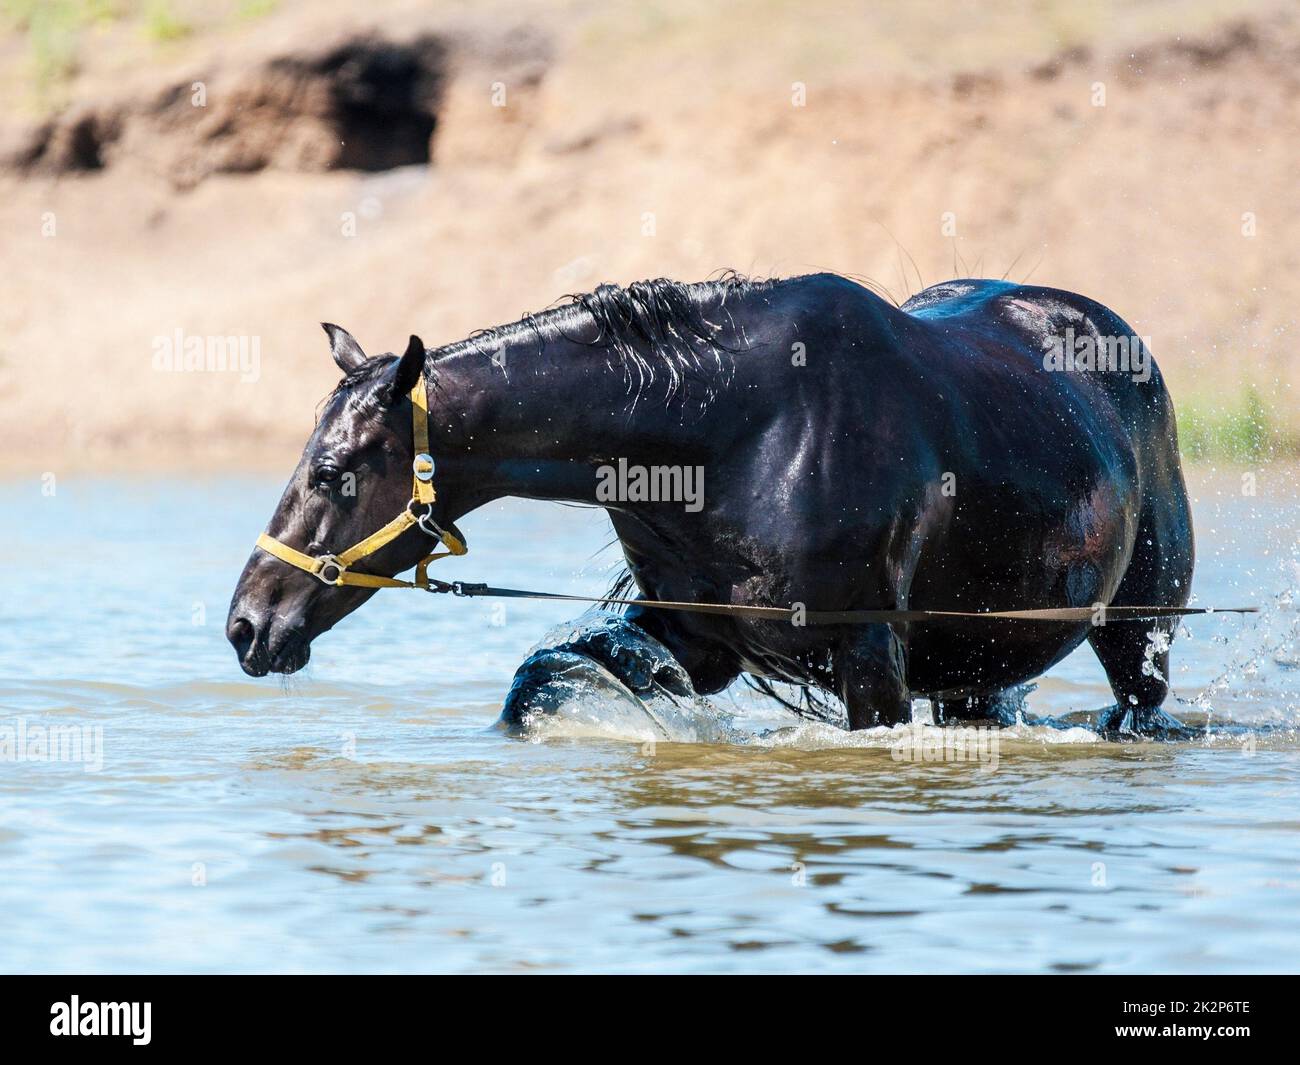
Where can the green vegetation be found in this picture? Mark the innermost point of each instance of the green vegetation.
(254, 9)
(55, 30)
(1243, 429)
(161, 23)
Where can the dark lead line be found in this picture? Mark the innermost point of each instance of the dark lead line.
(852, 617)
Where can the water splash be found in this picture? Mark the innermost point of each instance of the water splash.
(603, 676)
(1242, 692)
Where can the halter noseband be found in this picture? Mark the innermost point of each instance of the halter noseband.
(336, 569)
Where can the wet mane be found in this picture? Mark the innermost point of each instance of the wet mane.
(650, 326)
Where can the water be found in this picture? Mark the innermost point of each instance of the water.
(364, 816)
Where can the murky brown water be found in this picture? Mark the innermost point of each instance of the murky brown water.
(365, 816)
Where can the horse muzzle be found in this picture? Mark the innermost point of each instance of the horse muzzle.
(268, 648)
(272, 621)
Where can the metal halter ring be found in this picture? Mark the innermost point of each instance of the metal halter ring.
(422, 467)
(425, 521)
(428, 526)
(326, 561)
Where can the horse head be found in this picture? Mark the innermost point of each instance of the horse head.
(354, 475)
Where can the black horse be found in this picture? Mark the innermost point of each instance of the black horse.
(985, 446)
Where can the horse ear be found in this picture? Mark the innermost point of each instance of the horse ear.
(343, 346)
(408, 370)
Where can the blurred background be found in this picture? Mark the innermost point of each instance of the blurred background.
(247, 168)
(239, 170)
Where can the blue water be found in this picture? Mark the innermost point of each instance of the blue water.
(364, 815)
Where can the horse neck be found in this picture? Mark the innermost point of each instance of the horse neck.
(539, 423)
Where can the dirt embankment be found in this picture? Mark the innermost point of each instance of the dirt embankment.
(364, 100)
(438, 174)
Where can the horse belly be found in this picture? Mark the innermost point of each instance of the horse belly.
(954, 660)
(1076, 558)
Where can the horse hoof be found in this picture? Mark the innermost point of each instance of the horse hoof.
(1142, 722)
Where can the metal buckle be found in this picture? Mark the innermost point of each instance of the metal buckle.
(422, 467)
(326, 561)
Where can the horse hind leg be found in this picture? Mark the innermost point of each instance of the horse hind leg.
(1135, 654)
(1004, 707)
(870, 669)
(1137, 670)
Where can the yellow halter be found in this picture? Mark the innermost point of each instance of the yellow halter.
(335, 569)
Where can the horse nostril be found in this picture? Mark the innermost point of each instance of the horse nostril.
(240, 634)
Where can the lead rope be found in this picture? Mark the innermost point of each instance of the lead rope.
(1098, 614)
(336, 569)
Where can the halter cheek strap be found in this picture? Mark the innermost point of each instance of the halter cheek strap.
(336, 569)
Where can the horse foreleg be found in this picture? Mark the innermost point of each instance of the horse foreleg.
(870, 668)
(710, 670)
(602, 656)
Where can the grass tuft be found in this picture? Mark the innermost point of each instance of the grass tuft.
(1244, 429)
(161, 23)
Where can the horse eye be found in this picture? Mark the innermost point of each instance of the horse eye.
(326, 475)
